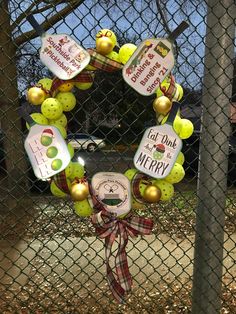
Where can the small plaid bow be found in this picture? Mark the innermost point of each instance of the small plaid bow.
(109, 227)
(98, 61)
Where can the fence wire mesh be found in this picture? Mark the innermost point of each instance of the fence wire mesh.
(51, 260)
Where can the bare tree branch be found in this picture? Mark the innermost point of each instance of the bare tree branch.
(165, 23)
(49, 22)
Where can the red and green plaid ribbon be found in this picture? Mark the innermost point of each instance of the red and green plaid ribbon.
(60, 181)
(98, 61)
(137, 179)
(83, 77)
(109, 227)
(170, 91)
(102, 62)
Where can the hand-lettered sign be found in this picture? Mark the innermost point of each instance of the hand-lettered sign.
(112, 190)
(45, 147)
(60, 53)
(151, 62)
(159, 148)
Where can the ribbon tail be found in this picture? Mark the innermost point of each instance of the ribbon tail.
(117, 291)
(121, 261)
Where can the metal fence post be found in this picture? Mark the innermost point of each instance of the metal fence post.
(212, 181)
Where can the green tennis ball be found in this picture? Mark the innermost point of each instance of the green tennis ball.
(177, 125)
(167, 189)
(67, 99)
(46, 83)
(176, 174)
(142, 187)
(113, 56)
(56, 191)
(62, 120)
(130, 173)
(83, 86)
(179, 93)
(180, 158)
(69, 169)
(71, 150)
(52, 152)
(77, 171)
(186, 129)
(51, 108)
(83, 208)
(126, 52)
(56, 164)
(38, 118)
(61, 129)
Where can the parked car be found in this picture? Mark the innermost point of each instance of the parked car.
(82, 141)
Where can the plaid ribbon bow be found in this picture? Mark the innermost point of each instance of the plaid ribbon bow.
(109, 227)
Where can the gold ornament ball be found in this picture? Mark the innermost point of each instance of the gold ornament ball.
(152, 194)
(104, 45)
(162, 105)
(36, 95)
(79, 191)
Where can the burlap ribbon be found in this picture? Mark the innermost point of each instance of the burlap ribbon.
(109, 227)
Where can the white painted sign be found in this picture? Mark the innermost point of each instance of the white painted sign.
(158, 151)
(151, 62)
(113, 191)
(47, 150)
(63, 55)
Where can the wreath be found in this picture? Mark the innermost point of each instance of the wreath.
(51, 99)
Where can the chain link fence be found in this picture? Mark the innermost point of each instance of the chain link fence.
(51, 260)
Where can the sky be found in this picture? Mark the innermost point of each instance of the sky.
(140, 21)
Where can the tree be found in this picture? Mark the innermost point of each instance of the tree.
(12, 37)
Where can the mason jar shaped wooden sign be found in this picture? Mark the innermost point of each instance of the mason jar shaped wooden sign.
(159, 148)
(151, 62)
(63, 56)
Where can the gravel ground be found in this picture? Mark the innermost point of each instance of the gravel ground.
(49, 218)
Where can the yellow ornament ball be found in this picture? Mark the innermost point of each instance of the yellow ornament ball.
(176, 174)
(46, 83)
(162, 105)
(126, 52)
(62, 120)
(152, 194)
(67, 100)
(56, 191)
(186, 129)
(71, 150)
(83, 208)
(79, 191)
(36, 95)
(51, 108)
(83, 86)
(66, 87)
(38, 118)
(166, 188)
(105, 41)
(180, 158)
